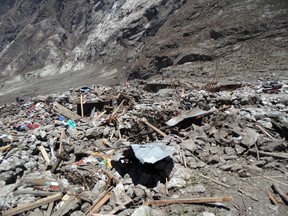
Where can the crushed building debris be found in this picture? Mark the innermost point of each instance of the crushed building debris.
(127, 151)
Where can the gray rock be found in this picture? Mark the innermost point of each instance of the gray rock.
(214, 159)
(265, 122)
(106, 131)
(254, 170)
(229, 151)
(207, 214)
(85, 207)
(30, 165)
(250, 137)
(93, 133)
(182, 172)
(8, 176)
(189, 145)
(36, 212)
(5, 166)
(260, 163)
(224, 179)
(77, 213)
(98, 189)
(120, 194)
(139, 192)
(127, 179)
(73, 133)
(42, 136)
(199, 188)
(2, 183)
(236, 167)
(142, 211)
(226, 167)
(18, 171)
(129, 191)
(197, 133)
(175, 182)
(165, 93)
(272, 145)
(239, 149)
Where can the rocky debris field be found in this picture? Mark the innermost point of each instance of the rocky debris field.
(147, 149)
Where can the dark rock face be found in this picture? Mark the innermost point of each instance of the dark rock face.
(48, 37)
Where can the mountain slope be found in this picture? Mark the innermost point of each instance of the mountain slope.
(97, 40)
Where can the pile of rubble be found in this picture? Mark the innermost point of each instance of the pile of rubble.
(146, 149)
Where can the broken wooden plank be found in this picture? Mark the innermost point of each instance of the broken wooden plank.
(202, 200)
(29, 206)
(66, 112)
(279, 155)
(145, 121)
(60, 152)
(262, 129)
(113, 115)
(44, 154)
(5, 148)
(281, 193)
(120, 208)
(95, 118)
(100, 202)
(50, 209)
(273, 198)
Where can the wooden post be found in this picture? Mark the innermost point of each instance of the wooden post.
(81, 102)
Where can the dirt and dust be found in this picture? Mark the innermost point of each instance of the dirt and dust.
(145, 143)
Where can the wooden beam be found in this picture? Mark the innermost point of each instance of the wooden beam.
(66, 112)
(281, 193)
(153, 127)
(29, 206)
(202, 200)
(44, 154)
(102, 201)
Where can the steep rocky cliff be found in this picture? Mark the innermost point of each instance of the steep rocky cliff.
(113, 40)
(45, 37)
